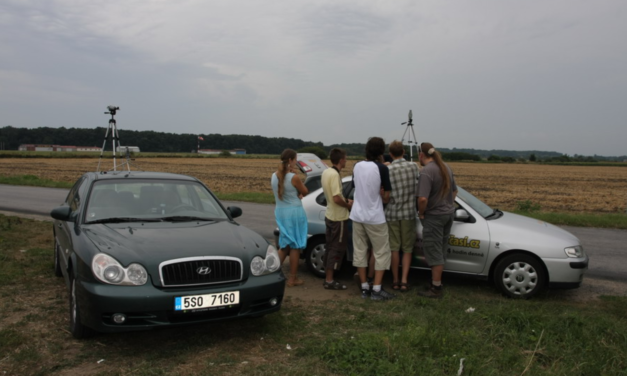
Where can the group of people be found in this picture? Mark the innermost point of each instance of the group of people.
(383, 215)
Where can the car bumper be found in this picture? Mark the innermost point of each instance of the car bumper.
(566, 273)
(147, 307)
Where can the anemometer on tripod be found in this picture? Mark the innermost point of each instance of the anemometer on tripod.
(115, 138)
(410, 126)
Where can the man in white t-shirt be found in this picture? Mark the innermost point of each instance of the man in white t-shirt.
(372, 189)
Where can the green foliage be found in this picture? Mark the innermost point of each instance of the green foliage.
(317, 150)
(494, 158)
(148, 141)
(460, 156)
(527, 206)
(225, 153)
(508, 159)
(532, 157)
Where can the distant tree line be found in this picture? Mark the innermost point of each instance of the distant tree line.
(150, 141)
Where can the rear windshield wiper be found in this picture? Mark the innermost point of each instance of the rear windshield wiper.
(186, 218)
(124, 219)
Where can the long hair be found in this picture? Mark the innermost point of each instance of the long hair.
(428, 149)
(284, 168)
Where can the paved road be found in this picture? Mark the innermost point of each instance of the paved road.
(607, 248)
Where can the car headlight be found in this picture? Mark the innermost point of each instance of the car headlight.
(269, 264)
(575, 251)
(109, 270)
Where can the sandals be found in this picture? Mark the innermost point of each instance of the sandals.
(396, 286)
(294, 282)
(404, 287)
(335, 285)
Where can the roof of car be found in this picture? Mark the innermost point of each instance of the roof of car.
(102, 175)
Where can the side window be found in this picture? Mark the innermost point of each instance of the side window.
(321, 199)
(73, 198)
(348, 190)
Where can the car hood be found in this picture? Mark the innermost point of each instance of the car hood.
(515, 231)
(150, 244)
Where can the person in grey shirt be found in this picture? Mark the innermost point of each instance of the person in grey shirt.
(436, 197)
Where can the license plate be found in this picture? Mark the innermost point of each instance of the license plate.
(194, 302)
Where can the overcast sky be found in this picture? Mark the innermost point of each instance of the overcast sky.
(545, 75)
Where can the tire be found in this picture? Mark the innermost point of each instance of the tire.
(57, 263)
(314, 256)
(78, 330)
(519, 276)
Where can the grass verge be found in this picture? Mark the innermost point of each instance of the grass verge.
(256, 197)
(606, 220)
(34, 181)
(549, 335)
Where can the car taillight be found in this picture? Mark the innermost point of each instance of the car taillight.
(304, 167)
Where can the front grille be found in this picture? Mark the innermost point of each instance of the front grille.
(200, 271)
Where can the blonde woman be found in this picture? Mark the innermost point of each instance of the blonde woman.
(289, 213)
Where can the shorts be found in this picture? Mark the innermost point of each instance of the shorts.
(337, 242)
(402, 235)
(380, 240)
(435, 233)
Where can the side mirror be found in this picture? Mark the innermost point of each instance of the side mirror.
(235, 211)
(461, 215)
(62, 213)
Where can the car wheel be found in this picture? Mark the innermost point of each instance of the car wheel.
(57, 264)
(519, 276)
(77, 328)
(314, 256)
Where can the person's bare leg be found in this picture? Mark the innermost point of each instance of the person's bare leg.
(406, 265)
(436, 273)
(282, 255)
(329, 275)
(371, 265)
(394, 265)
(294, 258)
(378, 277)
(362, 275)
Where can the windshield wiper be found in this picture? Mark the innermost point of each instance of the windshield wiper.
(186, 218)
(124, 219)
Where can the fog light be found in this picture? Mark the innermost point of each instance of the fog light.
(274, 301)
(119, 318)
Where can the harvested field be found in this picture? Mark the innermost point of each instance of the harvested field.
(591, 189)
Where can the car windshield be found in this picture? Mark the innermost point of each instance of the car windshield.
(476, 204)
(151, 200)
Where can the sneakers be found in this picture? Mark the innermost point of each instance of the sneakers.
(435, 292)
(381, 295)
(365, 293)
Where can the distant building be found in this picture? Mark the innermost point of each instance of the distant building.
(35, 147)
(132, 149)
(217, 151)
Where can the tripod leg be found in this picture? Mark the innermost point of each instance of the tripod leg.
(104, 143)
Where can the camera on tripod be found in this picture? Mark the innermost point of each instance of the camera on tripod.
(112, 110)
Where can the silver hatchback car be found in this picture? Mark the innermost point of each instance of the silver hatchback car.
(520, 255)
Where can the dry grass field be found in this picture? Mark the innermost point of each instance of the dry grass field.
(595, 189)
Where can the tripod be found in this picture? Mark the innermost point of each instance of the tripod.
(114, 138)
(410, 126)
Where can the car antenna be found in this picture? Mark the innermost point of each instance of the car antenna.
(410, 126)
